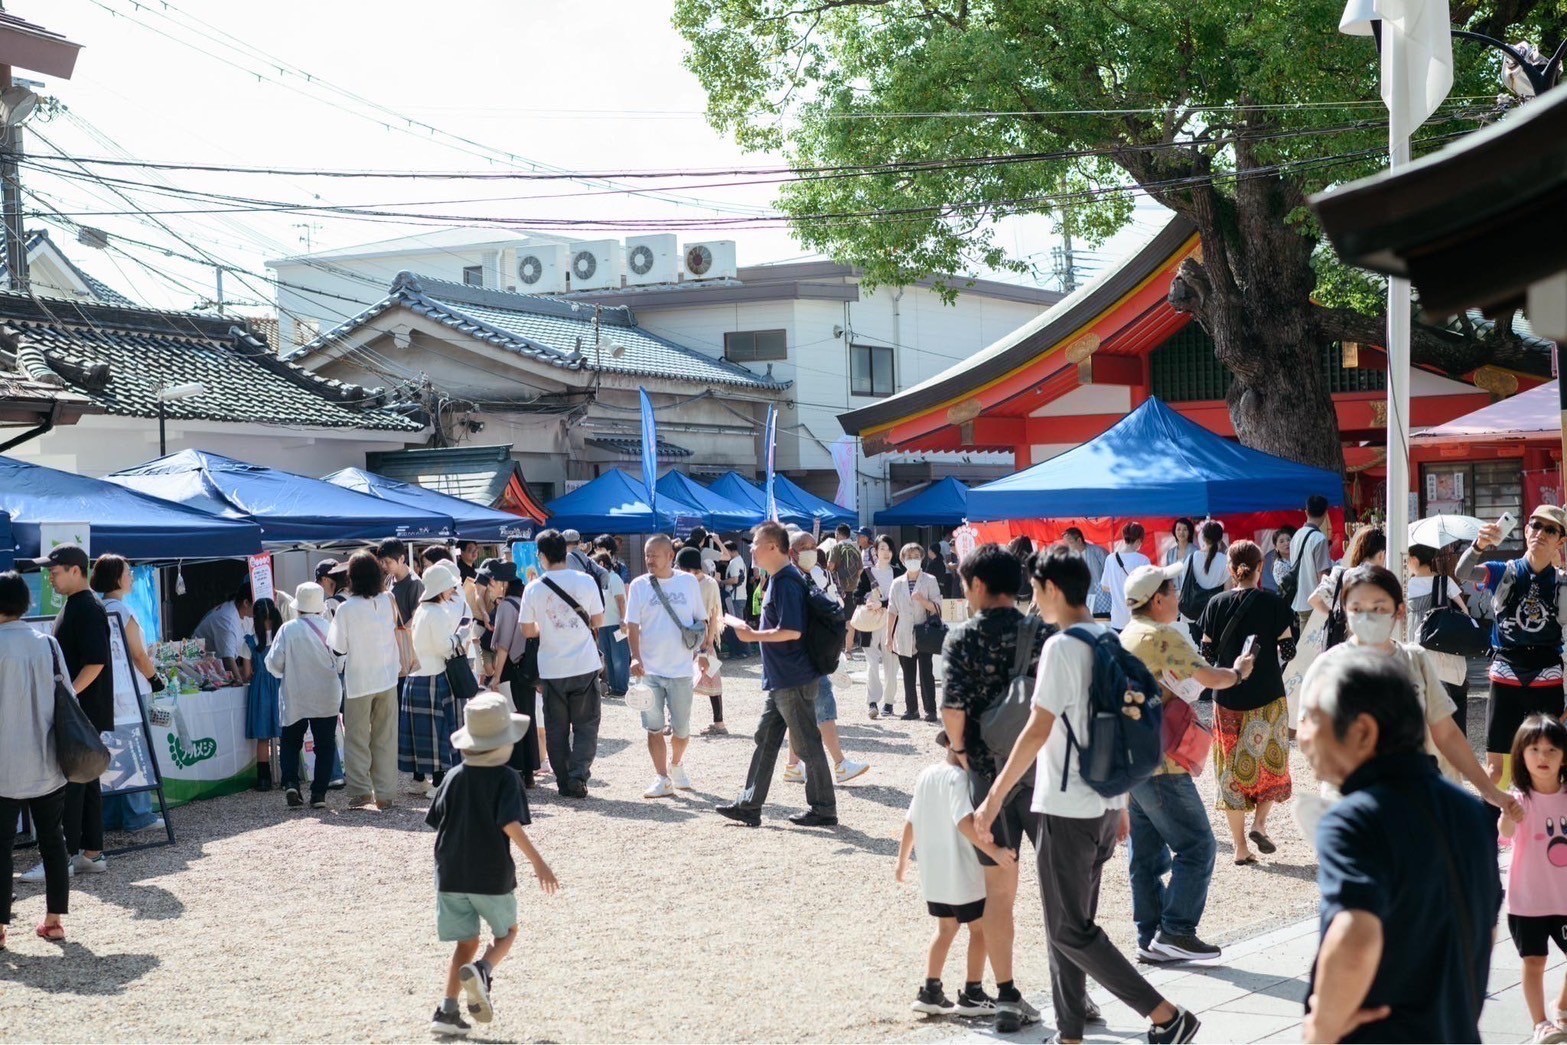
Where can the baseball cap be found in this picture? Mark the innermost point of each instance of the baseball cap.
(1547, 512)
(65, 555)
(329, 567)
(571, 536)
(1144, 582)
(863, 531)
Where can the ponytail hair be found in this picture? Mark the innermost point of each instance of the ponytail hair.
(1212, 536)
(1245, 560)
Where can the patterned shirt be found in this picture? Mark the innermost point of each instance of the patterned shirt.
(1166, 650)
(979, 655)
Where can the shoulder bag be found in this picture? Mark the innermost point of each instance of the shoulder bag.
(690, 634)
(78, 747)
(930, 634)
(1447, 629)
(405, 641)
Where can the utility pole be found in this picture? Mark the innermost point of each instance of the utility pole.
(11, 197)
(219, 270)
(1065, 267)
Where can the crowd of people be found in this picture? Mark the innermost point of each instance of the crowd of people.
(1078, 700)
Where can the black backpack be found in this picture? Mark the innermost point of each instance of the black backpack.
(1125, 742)
(826, 629)
(1004, 721)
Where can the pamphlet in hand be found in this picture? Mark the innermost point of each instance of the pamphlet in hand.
(730, 620)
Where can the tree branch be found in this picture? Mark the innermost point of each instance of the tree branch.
(1446, 350)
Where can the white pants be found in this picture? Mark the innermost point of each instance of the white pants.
(881, 669)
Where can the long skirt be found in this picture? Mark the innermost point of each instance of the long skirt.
(426, 720)
(1251, 761)
(525, 755)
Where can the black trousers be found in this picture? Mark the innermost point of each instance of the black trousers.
(84, 818)
(45, 813)
(572, 709)
(790, 712)
(927, 672)
(1459, 691)
(324, 731)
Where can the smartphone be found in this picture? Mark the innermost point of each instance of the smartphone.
(1249, 645)
(1506, 524)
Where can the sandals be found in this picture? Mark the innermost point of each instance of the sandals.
(1247, 861)
(1263, 843)
(52, 933)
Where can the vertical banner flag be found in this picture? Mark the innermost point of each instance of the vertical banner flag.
(770, 441)
(845, 459)
(649, 452)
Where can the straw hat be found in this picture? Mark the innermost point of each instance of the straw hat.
(489, 723)
(309, 597)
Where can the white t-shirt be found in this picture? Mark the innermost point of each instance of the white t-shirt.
(1066, 666)
(1114, 582)
(567, 646)
(613, 586)
(1313, 543)
(224, 631)
(949, 869)
(664, 652)
(362, 631)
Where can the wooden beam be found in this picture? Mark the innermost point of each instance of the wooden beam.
(1100, 369)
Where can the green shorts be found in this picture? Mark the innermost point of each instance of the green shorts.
(457, 914)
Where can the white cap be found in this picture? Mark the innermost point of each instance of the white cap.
(1144, 582)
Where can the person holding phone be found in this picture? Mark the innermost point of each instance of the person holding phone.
(1251, 747)
(1530, 609)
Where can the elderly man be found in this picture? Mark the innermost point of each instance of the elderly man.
(1406, 866)
(665, 623)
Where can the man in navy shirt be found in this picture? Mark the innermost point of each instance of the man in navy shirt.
(1406, 866)
(791, 684)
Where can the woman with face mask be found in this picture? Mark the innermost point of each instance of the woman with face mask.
(875, 592)
(1374, 606)
(914, 598)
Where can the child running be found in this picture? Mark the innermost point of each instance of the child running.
(477, 812)
(1537, 879)
(941, 824)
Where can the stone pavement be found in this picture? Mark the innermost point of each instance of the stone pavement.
(1255, 995)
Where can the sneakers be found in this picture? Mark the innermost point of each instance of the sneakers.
(717, 729)
(318, 803)
(81, 865)
(1182, 948)
(886, 711)
(1181, 1029)
(794, 774)
(293, 798)
(37, 873)
(1009, 1017)
(875, 712)
(976, 1004)
(476, 985)
(679, 778)
(661, 787)
(848, 769)
(157, 825)
(933, 1001)
(449, 1024)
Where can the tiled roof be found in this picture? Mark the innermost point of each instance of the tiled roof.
(631, 446)
(560, 333)
(120, 357)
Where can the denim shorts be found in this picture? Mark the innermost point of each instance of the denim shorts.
(457, 915)
(674, 696)
(826, 702)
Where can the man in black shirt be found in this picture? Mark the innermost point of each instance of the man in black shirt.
(467, 560)
(405, 587)
(82, 630)
(979, 656)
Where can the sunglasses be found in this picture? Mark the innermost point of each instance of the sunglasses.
(1546, 528)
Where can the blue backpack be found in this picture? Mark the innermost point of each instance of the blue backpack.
(1125, 741)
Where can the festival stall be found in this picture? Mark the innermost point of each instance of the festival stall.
(943, 503)
(1505, 457)
(471, 521)
(719, 513)
(741, 490)
(1152, 467)
(619, 504)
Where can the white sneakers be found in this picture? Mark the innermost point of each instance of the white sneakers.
(75, 865)
(848, 769)
(662, 787)
(679, 778)
(794, 774)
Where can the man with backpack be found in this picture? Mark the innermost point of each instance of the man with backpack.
(1170, 831)
(845, 563)
(1310, 559)
(580, 560)
(1094, 728)
(797, 636)
(987, 693)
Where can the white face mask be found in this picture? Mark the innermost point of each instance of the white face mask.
(1372, 629)
(912, 565)
(808, 560)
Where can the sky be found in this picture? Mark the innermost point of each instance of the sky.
(470, 86)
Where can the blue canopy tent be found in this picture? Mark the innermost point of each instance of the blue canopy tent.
(7, 543)
(741, 490)
(1154, 463)
(718, 512)
(473, 522)
(123, 522)
(814, 507)
(943, 503)
(292, 510)
(617, 503)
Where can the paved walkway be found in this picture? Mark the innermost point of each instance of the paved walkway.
(1256, 994)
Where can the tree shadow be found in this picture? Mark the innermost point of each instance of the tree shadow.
(881, 794)
(1285, 988)
(75, 970)
(145, 902)
(649, 809)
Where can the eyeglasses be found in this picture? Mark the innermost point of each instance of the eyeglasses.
(1537, 526)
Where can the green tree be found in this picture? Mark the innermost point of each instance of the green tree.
(1229, 112)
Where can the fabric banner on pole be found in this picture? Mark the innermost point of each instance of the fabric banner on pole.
(770, 441)
(845, 458)
(649, 451)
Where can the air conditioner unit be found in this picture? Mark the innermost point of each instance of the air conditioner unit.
(541, 269)
(595, 266)
(712, 260)
(652, 259)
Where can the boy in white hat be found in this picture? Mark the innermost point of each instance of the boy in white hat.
(478, 811)
(311, 693)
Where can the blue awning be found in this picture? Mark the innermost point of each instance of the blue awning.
(7, 543)
(741, 490)
(122, 522)
(473, 522)
(292, 510)
(719, 512)
(814, 507)
(1154, 462)
(943, 503)
(617, 503)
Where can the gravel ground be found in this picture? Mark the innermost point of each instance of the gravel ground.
(672, 924)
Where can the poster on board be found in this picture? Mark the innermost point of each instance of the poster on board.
(261, 586)
(131, 766)
(52, 535)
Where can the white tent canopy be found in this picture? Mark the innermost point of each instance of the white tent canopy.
(1535, 414)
